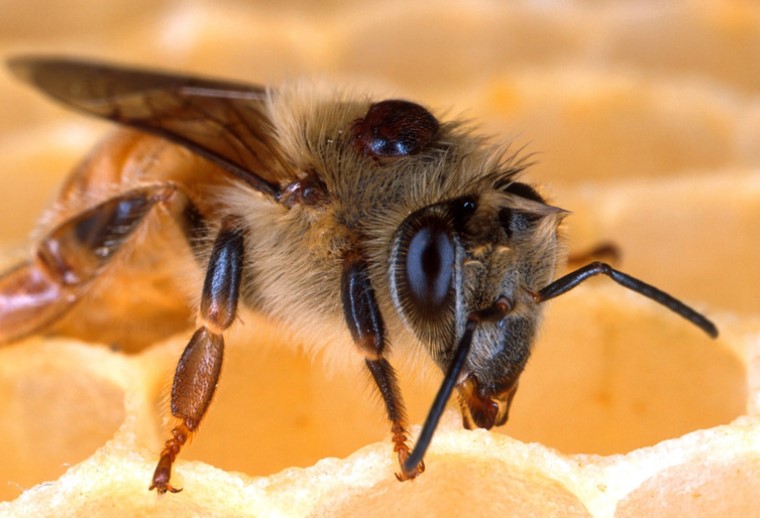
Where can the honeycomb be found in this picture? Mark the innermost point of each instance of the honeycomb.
(645, 118)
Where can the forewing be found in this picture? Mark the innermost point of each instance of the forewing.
(225, 122)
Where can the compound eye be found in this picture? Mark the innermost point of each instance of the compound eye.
(429, 267)
(394, 128)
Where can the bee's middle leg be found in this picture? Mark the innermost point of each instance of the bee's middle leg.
(198, 369)
(368, 331)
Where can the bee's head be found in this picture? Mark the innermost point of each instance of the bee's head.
(477, 257)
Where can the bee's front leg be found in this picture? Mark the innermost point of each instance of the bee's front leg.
(69, 258)
(368, 331)
(198, 369)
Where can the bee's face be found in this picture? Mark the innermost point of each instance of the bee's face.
(459, 234)
(460, 256)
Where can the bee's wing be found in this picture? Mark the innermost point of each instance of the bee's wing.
(225, 122)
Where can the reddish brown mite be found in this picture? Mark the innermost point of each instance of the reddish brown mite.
(394, 128)
(373, 221)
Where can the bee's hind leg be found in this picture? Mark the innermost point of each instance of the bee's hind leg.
(39, 291)
(198, 369)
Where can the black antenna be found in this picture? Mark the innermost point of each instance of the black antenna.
(499, 310)
(573, 279)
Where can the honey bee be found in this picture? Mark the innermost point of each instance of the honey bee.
(353, 223)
